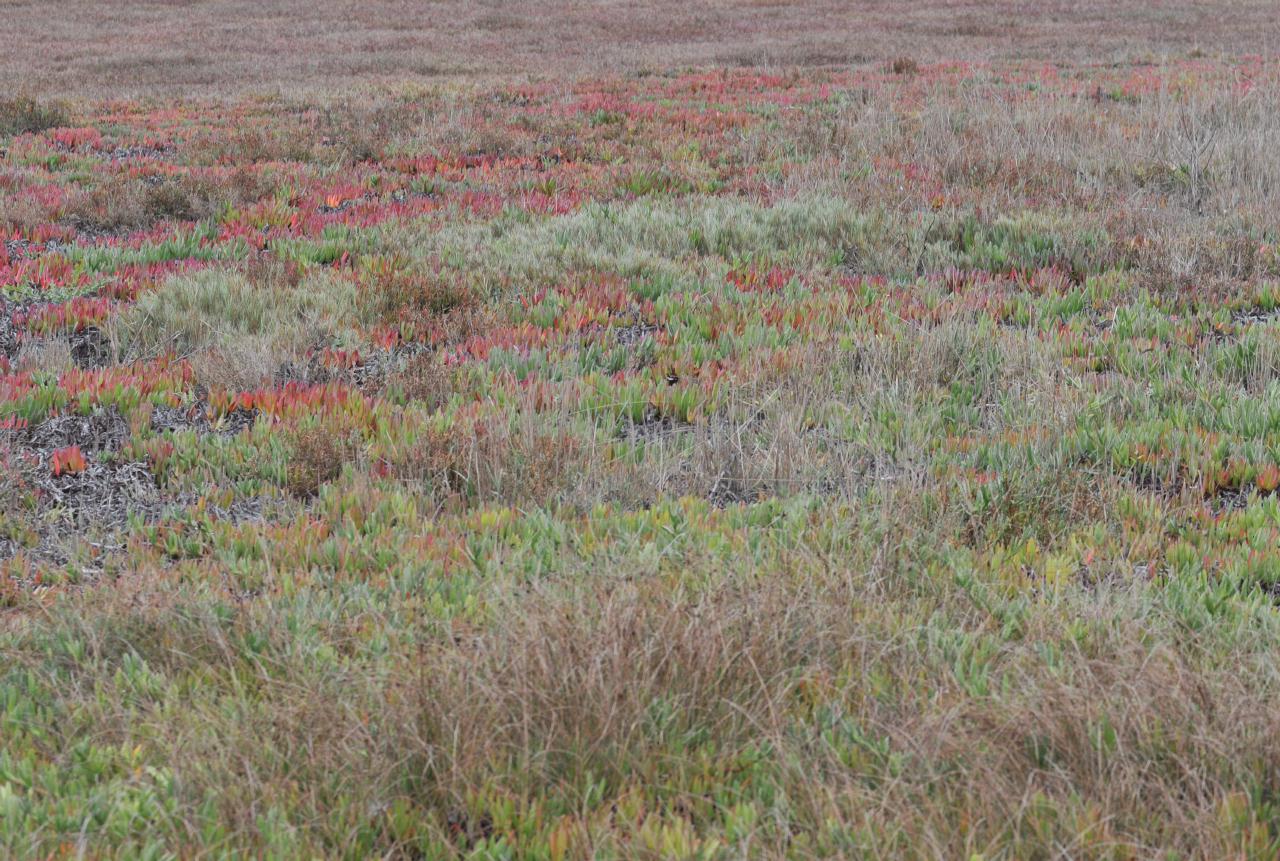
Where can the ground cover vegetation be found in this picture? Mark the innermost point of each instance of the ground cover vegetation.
(873, 461)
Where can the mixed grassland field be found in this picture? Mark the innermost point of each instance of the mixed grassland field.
(858, 458)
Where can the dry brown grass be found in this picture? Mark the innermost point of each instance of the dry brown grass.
(23, 113)
(525, 462)
(876, 702)
(316, 455)
(123, 203)
(227, 47)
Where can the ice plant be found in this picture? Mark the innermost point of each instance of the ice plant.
(68, 461)
(1268, 478)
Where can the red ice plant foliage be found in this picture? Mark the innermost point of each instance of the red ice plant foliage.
(67, 461)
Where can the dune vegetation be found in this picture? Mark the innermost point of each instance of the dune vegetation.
(850, 459)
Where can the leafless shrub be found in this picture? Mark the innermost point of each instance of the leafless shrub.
(904, 66)
(23, 113)
(318, 451)
(124, 203)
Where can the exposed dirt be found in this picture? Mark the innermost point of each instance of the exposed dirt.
(8, 331)
(1254, 316)
(369, 373)
(20, 249)
(629, 336)
(196, 418)
(654, 426)
(89, 348)
(92, 234)
(101, 430)
(102, 496)
(137, 152)
(166, 418)
(89, 506)
(77, 518)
